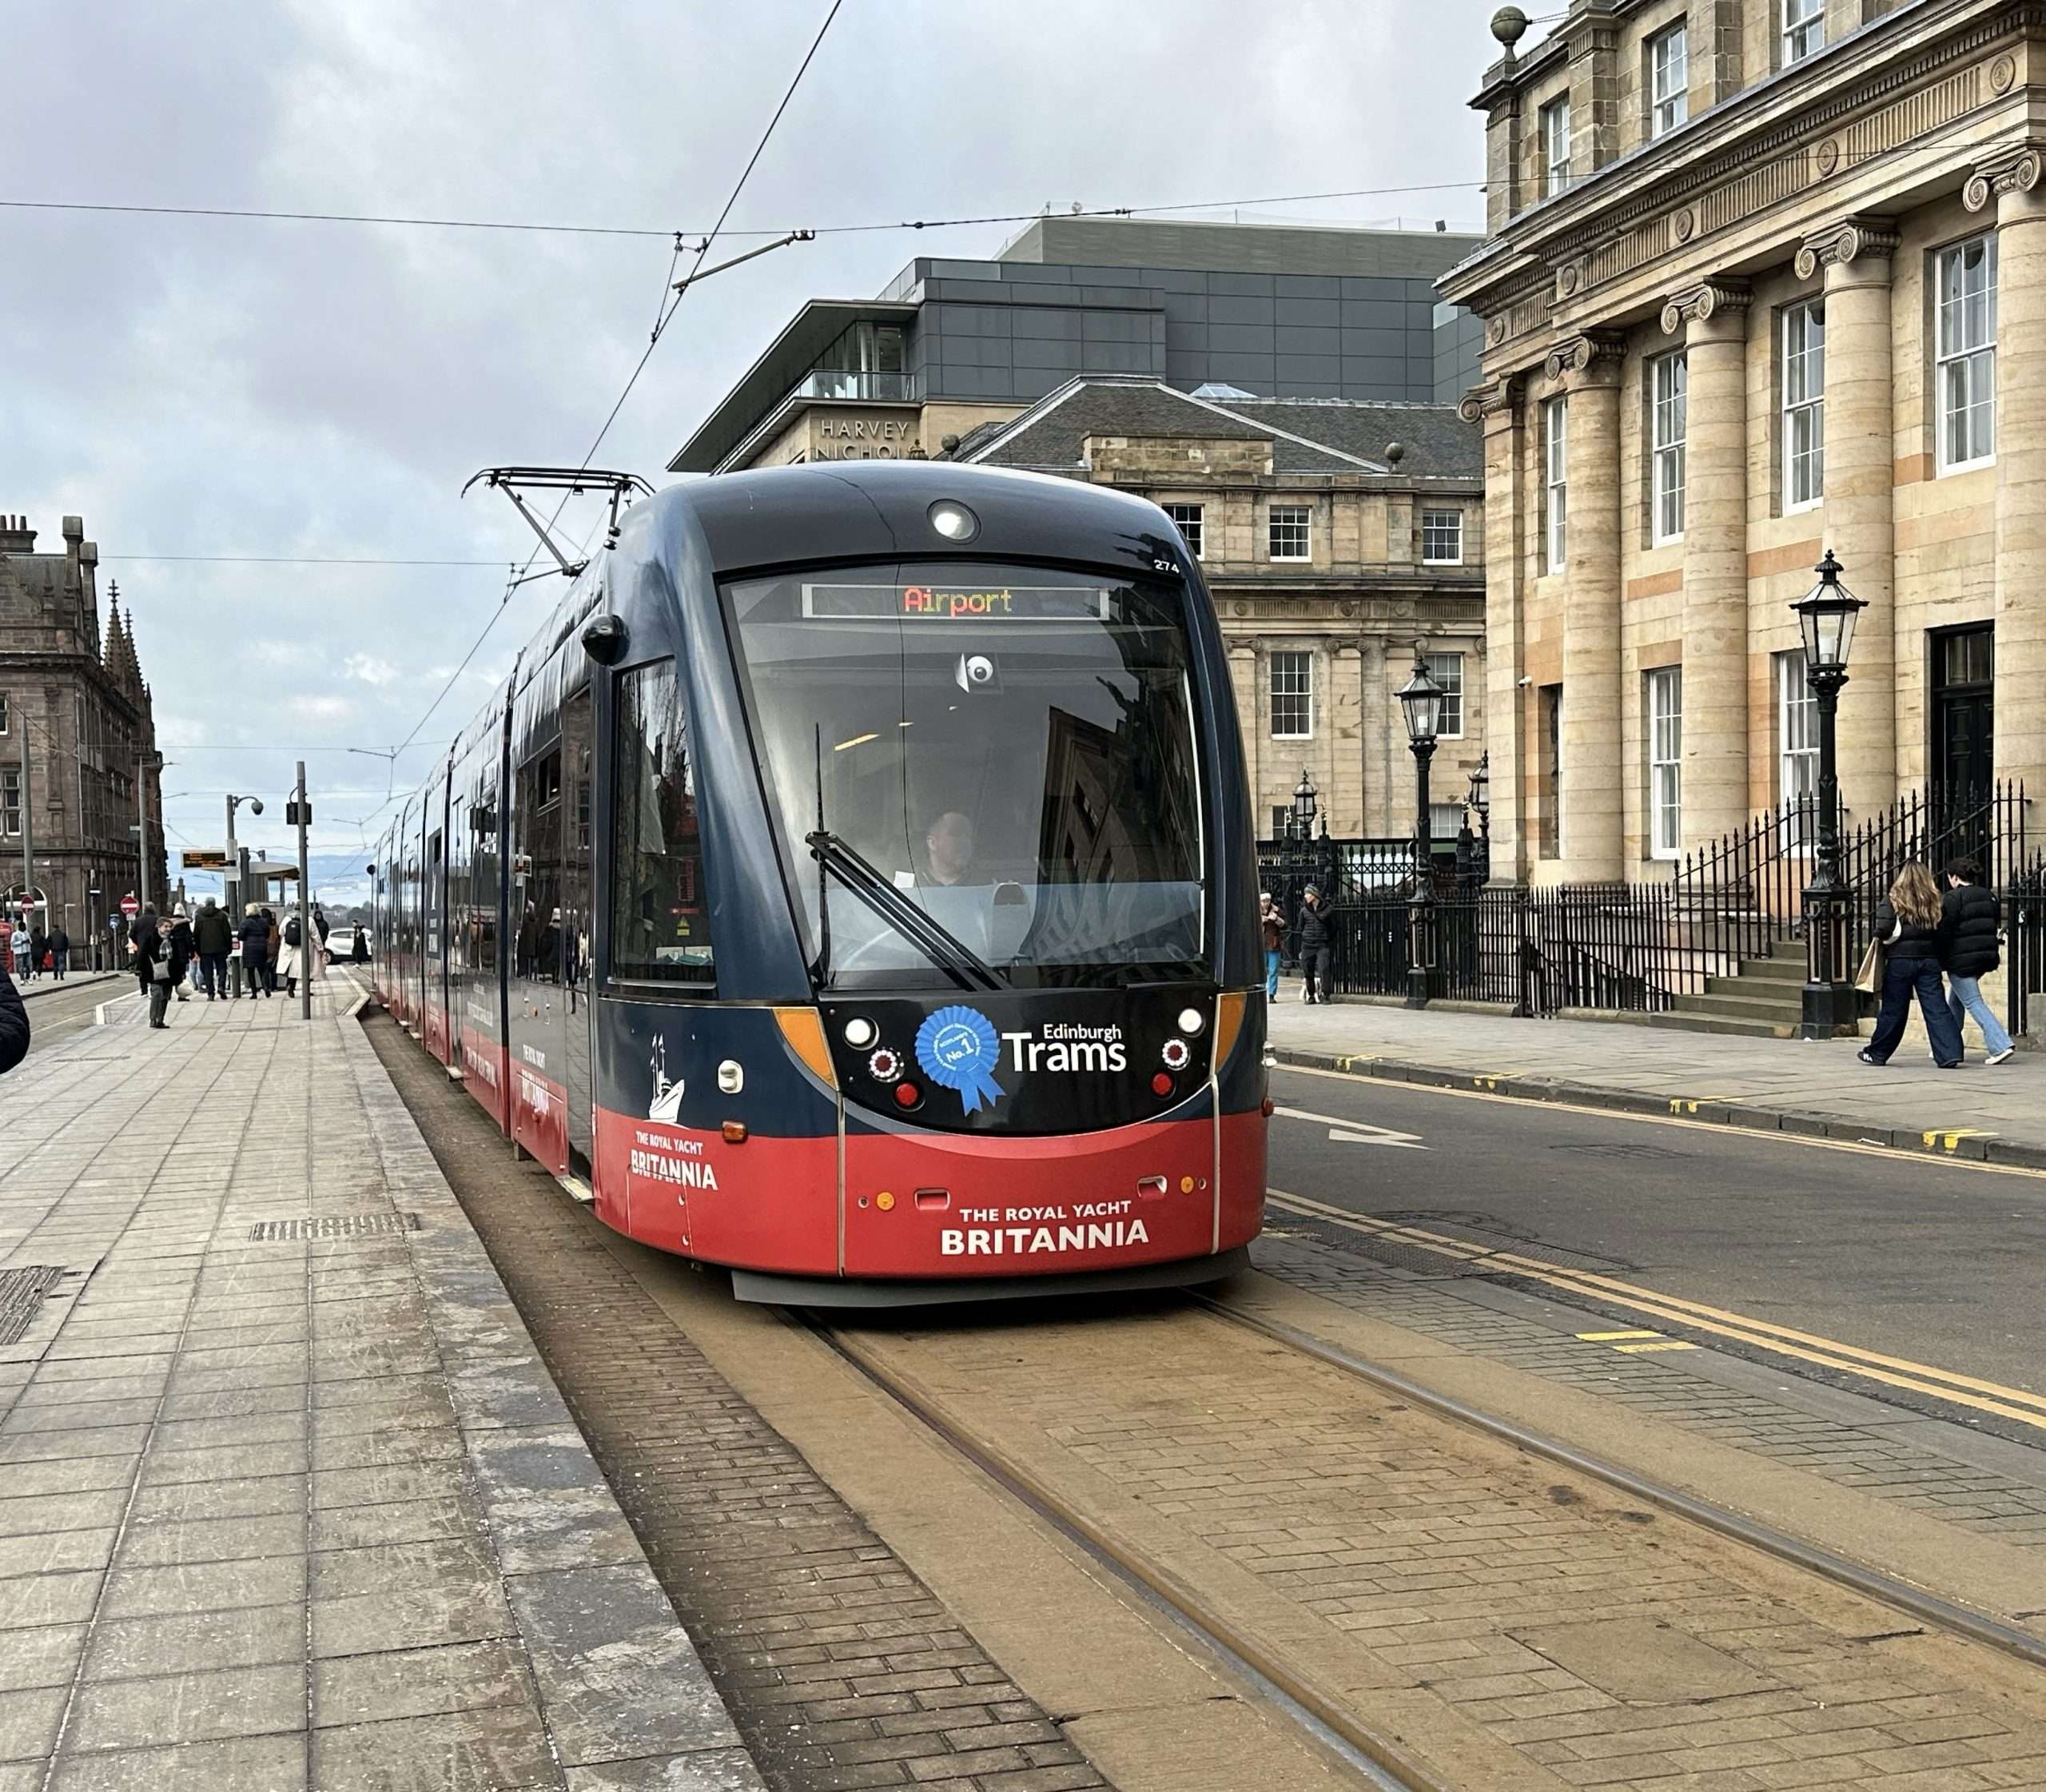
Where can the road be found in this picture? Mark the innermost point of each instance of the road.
(1933, 1261)
(62, 1013)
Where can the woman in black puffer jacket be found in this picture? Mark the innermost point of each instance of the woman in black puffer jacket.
(1912, 923)
(1973, 921)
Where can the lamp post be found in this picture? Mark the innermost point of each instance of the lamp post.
(1304, 796)
(1481, 800)
(1826, 616)
(1420, 697)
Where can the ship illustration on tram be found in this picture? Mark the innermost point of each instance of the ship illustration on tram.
(852, 884)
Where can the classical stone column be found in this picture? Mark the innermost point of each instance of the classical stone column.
(2011, 175)
(1500, 407)
(1860, 453)
(1714, 319)
(1587, 369)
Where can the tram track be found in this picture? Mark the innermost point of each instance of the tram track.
(1376, 1758)
(1343, 1724)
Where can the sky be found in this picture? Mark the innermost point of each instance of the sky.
(296, 391)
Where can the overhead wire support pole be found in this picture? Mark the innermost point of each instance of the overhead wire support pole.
(307, 945)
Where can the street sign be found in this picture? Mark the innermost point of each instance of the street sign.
(204, 858)
(129, 906)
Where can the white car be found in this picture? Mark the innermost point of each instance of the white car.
(341, 946)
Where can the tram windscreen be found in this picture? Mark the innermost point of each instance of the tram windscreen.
(981, 765)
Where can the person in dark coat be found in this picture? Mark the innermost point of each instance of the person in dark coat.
(212, 938)
(13, 1024)
(359, 953)
(181, 951)
(1317, 936)
(1973, 921)
(38, 944)
(60, 951)
(255, 950)
(152, 956)
(1911, 922)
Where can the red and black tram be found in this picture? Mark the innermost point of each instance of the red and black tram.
(853, 883)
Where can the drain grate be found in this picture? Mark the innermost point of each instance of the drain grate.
(333, 1225)
(21, 1291)
(1614, 1148)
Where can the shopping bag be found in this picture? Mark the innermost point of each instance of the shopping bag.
(1874, 962)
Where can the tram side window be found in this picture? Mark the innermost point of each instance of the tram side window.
(660, 908)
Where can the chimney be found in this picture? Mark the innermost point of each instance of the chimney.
(16, 537)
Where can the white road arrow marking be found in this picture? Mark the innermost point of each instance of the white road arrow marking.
(1354, 1132)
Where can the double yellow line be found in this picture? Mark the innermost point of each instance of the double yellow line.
(1782, 1341)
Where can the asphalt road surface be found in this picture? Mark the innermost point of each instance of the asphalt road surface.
(1929, 1260)
(63, 1011)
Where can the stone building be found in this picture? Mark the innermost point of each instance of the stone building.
(1762, 278)
(76, 697)
(1333, 535)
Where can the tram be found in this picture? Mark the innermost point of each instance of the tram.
(852, 884)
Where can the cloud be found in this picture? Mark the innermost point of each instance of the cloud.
(205, 386)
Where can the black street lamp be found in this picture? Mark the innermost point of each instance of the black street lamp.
(1304, 795)
(1421, 699)
(1826, 614)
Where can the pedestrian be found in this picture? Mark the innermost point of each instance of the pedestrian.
(38, 945)
(255, 950)
(1911, 923)
(180, 950)
(13, 1024)
(1272, 925)
(60, 951)
(1316, 937)
(212, 937)
(18, 944)
(323, 928)
(151, 963)
(291, 957)
(273, 945)
(1973, 919)
(359, 953)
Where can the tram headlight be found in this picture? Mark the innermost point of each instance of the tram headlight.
(860, 1032)
(953, 521)
(1191, 1020)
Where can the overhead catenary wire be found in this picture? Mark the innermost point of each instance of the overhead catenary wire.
(670, 303)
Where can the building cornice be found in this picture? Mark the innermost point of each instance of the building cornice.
(1705, 301)
(1776, 140)
(1848, 240)
(2008, 168)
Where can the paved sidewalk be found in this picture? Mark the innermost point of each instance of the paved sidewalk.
(1792, 1086)
(287, 1502)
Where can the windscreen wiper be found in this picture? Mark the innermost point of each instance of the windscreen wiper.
(951, 954)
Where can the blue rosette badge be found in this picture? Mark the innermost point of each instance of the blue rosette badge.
(958, 1049)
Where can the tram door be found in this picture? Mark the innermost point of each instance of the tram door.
(434, 908)
(578, 770)
(539, 1018)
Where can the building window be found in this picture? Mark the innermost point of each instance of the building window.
(1670, 383)
(1803, 28)
(1669, 79)
(1288, 538)
(1967, 371)
(1445, 820)
(1446, 670)
(1797, 730)
(1555, 147)
(1292, 696)
(3, 712)
(11, 800)
(1186, 518)
(1441, 537)
(1803, 406)
(1666, 761)
(1556, 496)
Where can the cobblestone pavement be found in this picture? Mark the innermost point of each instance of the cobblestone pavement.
(1804, 1085)
(286, 1500)
(1876, 1457)
(1445, 1577)
(841, 1668)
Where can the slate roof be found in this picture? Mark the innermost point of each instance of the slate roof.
(1308, 436)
